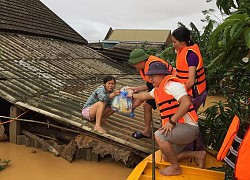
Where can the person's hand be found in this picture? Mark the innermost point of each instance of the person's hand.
(134, 89)
(130, 92)
(116, 92)
(167, 128)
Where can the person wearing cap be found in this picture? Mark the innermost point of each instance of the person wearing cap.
(179, 119)
(141, 60)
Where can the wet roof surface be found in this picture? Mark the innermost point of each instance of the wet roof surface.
(33, 17)
(44, 68)
(55, 78)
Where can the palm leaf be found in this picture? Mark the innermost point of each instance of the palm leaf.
(247, 36)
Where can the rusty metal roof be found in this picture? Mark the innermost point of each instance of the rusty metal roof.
(46, 68)
(33, 17)
(55, 77)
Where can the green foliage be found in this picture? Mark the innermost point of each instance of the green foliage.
(247, 36)
(169, 55)
(227, 169)
(214, 127)
(235, 87)
(226, 5)
(229, 173)
(229, 42)
(229, 6)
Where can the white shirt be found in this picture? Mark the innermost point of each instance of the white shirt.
(177, 90)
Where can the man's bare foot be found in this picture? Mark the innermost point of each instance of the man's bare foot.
(170, 171)
(201, 159)
(100, 129)
(164, 157)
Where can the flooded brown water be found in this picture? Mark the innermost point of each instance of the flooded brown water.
(28, 163)
(210, 100)
(42, 165)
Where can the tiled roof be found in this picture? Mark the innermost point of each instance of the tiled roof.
(33, 17)
(54, 77)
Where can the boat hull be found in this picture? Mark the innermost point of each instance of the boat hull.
(143, 171)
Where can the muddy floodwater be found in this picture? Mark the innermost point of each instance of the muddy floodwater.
(29, 163)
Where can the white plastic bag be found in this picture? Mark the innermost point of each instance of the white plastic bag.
(123, 104)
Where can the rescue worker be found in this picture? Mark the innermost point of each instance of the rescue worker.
(179, 119)
(189, 66)
(141, 60)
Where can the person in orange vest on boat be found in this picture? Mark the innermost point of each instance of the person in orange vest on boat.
(189, 66)
(141, 60)
(179, 119)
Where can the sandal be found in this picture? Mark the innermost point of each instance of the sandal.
(139, 135)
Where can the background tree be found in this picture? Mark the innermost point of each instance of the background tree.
(229, 46)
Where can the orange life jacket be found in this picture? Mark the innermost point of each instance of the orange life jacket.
(167, 104)
(182, 69)
(229, 138)
(241, 171)
(154, 59)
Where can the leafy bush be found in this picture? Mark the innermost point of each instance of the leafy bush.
(215, 126)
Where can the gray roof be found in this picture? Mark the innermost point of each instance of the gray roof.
(33, 17)
(45, 67)
(54, 78)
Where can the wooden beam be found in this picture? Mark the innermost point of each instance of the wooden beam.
(14, 128)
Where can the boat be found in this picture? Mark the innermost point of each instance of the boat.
(143, 171)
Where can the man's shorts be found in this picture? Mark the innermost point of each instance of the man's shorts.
(86, 115)
(151, 102)
(182, 134)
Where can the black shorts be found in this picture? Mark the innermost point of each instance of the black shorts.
(151, 102)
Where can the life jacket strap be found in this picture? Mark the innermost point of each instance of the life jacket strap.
(229, 162)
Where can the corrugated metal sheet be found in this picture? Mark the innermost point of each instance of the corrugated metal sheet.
(120, 52)
(139, 35)
(33, 17)
(54, 78)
